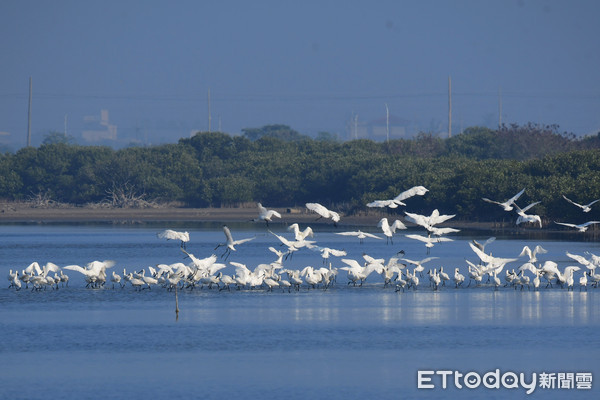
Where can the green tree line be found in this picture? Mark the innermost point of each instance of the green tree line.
(281, 168)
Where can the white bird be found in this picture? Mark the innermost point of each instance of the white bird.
(429, 221)
(397, 201)
(324, 212)
(359, 234)
(532, 254)
(419, 264)
(389, 230)
(458, 278)
(528, 218)
(481, 246)
(294, 245)
(230, 244)
(301, 235)
(583, 281)
(585, 208)
(170, 234)
(428, 240)
(266, 215)
(581, 227)
(115, 278)
(508, 204)
(326, 252)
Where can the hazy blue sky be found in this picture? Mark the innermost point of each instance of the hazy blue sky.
(308, 64)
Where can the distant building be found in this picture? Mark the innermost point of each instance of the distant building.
(97, 129)
(377, 129)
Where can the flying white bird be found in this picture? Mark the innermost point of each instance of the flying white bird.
(230, 244)
(397, 201)
(585, 208)
(428, 222)
(169, 234)
(581, 227)
(428, 240)
(507, 205)
(524, 218)
(389, 230)
(532, 254)
(360, 235)
(266, 215)
(301, 235)
(324, 212)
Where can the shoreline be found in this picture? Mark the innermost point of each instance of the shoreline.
(26, 213)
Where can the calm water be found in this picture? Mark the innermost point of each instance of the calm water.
(343, 343)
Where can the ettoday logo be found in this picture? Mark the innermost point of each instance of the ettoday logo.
(429, 379)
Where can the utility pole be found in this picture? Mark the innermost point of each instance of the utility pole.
(387, 122)
(209, 110)
(499, 107)
(29, 115)
(449, 106)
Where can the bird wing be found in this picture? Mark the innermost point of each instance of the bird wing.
(572, 202)
(353, 264)
(171, 234)
(580, 259)
(490, 201)
(593, 202)
(353, 233)
(423, 261)
(319, 209)
(385, 203)
(529, 266)
(367, 234)
(435, 218)
(482, 256)
(397, 225)
(227, 234)
(515, 197)
(529, 206)
(418, 219)
(236, 242)
(565, 224)
(273, 213)
(419, 237)
(75, 268)
(413, 191)
(590, 223)
(34, 266)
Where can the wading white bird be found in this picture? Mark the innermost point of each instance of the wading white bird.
(585, 208)
(230, 244)
(419, 264)
(327, 252)
(266, 215)
(324, 212)
(170, 234)
(508, 204)
(581, 227)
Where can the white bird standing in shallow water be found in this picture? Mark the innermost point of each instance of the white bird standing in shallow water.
(508, 204)
(170, 234)
(230, 244)
(585, 208)
(324, 212)
(266, 215)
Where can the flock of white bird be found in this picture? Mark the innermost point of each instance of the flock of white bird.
(399, 272)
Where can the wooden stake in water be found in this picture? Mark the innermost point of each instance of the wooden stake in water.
(176, 305)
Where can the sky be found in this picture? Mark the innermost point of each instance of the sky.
(317, 66)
